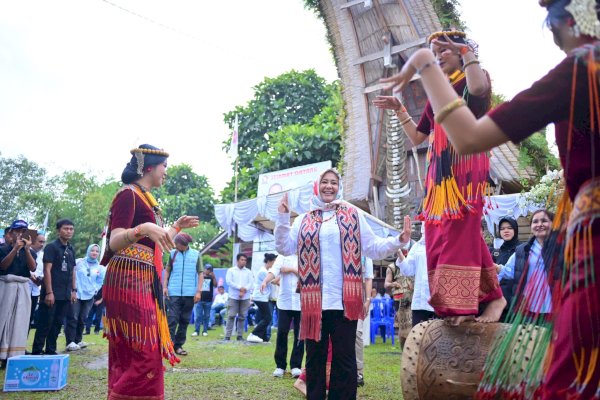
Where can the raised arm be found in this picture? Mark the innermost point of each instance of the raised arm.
(377, 248)
(286, 236)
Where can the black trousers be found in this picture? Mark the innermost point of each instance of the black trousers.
(178, 316)
(419, 316)
(342, 382)
(266, 316)
(76, 317)
(285, 319)
(34, 303)
(50, 321)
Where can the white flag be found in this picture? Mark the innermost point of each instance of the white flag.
(45, 224)
(233, 150)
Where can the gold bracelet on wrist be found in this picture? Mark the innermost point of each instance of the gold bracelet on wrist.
(406, 121)
(127, 237)
(448, 108)
(476, 61)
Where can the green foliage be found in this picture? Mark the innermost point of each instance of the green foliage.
(291, 98)
(203, 234)
(309, 133)
(534, 152)
(186, 193)
(448, 14)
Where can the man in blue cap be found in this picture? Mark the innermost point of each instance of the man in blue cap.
(17, 261)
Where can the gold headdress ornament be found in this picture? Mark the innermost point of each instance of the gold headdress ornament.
(585, 14)
(139, 156)
(450, 34)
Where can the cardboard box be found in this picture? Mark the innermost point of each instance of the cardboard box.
(29, 373)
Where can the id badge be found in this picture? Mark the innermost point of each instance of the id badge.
(64, 266)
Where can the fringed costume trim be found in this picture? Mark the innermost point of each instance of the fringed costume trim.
(135, 309)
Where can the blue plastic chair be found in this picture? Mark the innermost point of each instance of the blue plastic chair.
(380, 318)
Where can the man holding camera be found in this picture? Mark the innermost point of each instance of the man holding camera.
(17, 261)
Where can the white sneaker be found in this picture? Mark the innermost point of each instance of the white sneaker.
(204, 333)
(73, 347)
(253, 338)
(278, 373)
(296, 372)
(195, 334)
(82, 345)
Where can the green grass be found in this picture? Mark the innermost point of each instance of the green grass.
(202, 375)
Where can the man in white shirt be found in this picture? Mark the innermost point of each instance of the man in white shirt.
(288, 311)
(38, 275)
(240, 282)
(415, 264)
(219, 305)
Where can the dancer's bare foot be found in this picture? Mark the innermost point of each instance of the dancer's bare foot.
(457, 320)
(300, 385)
(493, 311)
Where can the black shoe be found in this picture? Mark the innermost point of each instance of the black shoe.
(240, 338)
(360, 380)
(86, 332)
(50, 353)
(37, 353)
(226, 339)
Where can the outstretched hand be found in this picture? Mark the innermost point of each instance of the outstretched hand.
(187, 221)
(406, 231)
(284, 207)
(389, 103)
(398, 81)
(449, 45)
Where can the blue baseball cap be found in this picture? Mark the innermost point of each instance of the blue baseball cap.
(19, 224)
(207, 265)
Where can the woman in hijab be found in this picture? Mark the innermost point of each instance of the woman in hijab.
(508, 230)
(135, 323)
(330, 241)
(89, 276)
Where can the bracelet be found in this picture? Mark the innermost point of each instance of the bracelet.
(127, 237)
(425, 66)
(406, 121)
(137, 232)
(49, 293)
(448, 108)
(402, 109)
(470, 63)
(177, 229)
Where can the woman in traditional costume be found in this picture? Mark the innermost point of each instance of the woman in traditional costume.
(135, 322)
(460, 268)
(569, 97)
(330, 241)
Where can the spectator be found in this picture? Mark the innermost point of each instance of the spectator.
(6, 236)
(202, 309)
(97, 311)
(239, 279)
(527, 264)
(88, 277)
(381, 294)
(260, 296)
(17, 261)
(288, 314)
(58, 291)
(36, 277)
(509, 233)
(415, 264)
(183, 286)
(219, 305)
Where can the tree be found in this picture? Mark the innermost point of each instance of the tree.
(294, 143)
(186, 193)
(291, 98)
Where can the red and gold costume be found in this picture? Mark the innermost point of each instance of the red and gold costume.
(461, 270)
(135, 322)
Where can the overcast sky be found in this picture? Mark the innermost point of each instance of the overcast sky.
(84, 81)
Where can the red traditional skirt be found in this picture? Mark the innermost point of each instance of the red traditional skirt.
(460, 268)
(574, 364)
(135, 325)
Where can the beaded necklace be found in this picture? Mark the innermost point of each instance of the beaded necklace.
(321, 220)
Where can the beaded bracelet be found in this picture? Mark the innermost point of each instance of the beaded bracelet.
(127, 237)
(177, 229)
(448, 108)
(137, 232)
(470, 63)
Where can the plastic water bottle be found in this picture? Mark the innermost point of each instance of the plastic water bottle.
(54, 374)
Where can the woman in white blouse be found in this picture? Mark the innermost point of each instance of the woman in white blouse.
(330, 241)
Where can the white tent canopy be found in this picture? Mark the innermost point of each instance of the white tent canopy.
(255, 217)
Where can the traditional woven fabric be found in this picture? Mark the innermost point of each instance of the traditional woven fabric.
(309, 268)
(14, 315)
